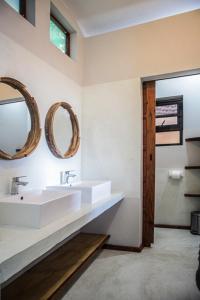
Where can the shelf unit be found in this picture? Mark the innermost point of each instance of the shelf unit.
(192, 195)
(193, 139)
(192, 167)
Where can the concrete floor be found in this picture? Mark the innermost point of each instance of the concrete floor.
(164, 272)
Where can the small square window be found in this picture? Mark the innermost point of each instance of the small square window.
(14, 4)
(59, 36)
(166, 121)
(163, 109)
(26, 8)
(168, 138)
(169, 121)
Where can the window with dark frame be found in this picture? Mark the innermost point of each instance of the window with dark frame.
(59, 35)
(169, 121)
(18, 5)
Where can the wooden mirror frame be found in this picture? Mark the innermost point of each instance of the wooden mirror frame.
(75, 141)
(35, 132)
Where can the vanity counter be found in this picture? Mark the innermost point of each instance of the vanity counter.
(19, 247)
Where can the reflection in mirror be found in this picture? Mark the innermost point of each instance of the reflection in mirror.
(62, 129)
(15, 121)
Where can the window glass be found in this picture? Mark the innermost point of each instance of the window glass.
(168, 138)
(169, 121)
(57, 36)
(166, 121)
(14, 4)
(166, 110)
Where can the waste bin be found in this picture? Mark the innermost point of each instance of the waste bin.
(195, 222)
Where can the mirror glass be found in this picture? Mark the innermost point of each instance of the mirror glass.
(15, 121)
(62, 129)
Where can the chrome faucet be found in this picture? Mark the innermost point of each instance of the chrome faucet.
(16, 183)
(64, 177)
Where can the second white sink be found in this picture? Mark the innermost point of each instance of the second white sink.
(92, 191)
(38, 208)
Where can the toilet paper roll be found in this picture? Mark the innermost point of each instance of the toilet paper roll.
(176, 174)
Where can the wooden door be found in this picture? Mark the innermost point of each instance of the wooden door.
(149, 103)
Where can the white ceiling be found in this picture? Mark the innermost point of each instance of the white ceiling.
(100, 16)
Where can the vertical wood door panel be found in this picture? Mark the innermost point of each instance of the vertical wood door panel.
(149, 101)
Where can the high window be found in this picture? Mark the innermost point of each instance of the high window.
(25, 8)
(169, 121)
(18, 5)
(59, 35)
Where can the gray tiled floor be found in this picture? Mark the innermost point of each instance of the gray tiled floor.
(164, 272)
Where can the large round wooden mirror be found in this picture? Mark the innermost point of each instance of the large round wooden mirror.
(62, 130)
(19, 120)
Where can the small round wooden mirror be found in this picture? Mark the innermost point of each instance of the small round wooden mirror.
(19, 120)
(62, 130)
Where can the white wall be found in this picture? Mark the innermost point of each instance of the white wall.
(36, 38)
(163, 46)
(27, 55)
(47, 86)
(112, 116)
(171, 206)
(112, 150)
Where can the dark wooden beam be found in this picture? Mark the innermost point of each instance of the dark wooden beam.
(149, 102)
(123, 248)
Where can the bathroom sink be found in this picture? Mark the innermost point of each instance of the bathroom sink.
(92, 191)
(38, 208)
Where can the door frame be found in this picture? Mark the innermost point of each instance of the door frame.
(149, 100)
(149, 202)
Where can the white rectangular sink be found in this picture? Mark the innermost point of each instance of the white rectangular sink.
(92, 191)
(38, 208)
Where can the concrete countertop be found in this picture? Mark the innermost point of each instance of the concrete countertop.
(19, 246)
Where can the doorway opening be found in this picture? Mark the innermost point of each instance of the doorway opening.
(171, 162)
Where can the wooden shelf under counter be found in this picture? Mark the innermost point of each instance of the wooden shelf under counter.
(48, 279)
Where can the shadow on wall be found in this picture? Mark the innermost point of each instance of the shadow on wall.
(97, 226)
